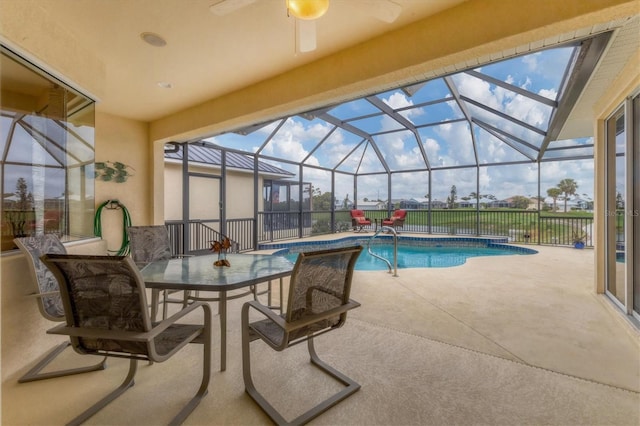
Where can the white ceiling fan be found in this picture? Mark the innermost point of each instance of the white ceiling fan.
(306, 12)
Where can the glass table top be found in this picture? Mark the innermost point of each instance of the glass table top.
(199, 272)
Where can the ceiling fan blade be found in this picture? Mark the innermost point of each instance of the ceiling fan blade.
(306, 35)
(226, 7)
(383, 10)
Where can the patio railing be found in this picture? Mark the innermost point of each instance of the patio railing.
(529, 227)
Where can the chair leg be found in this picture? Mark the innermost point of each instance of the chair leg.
(206, 373)
(34, 373)
(351, 385)
(249, 387)
(128, 382)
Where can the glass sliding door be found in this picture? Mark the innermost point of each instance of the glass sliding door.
(623, 206)
(616, 190)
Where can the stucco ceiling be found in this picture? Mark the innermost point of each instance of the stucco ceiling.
(207, 55)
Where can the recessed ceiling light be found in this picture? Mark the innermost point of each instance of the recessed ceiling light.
(165, 84)
(153, 39)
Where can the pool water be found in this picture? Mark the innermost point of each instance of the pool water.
(415, 252)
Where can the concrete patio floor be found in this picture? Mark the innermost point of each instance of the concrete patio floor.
(501, 340)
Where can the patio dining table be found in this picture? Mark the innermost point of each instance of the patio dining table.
(198, 273)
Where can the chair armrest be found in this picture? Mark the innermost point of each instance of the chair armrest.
(265, 310)
(164, 324)
(292, 326)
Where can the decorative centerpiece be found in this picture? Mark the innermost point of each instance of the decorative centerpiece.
(221, 248)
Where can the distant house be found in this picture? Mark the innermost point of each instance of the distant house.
(500, 203)
(411, 204)
(579, 204)
(437, 204)
(342, 204)
(415, 204)
(466, 204)
(422, 204)
(372, 205)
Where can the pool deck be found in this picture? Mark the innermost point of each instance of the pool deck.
(510, 340)
(541, 310)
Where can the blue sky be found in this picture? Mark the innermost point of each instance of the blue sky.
(446, 138)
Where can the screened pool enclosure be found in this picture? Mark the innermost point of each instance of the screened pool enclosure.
(474, 153)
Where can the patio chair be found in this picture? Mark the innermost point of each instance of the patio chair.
(107, 314)
(148, 244)
(46, 290)
(318, 303)
(358, 220)
(396, 220)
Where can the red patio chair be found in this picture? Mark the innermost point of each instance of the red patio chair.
(359, 221)
(396, 220)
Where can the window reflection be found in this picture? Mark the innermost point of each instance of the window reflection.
(47, 141)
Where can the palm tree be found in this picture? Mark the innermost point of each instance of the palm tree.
(554, 193)
(568, 188)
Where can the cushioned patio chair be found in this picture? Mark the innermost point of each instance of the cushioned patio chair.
(318, 302)
(358, 220)
(44, 287)
(107, 314)
(396, 220)
(148, 244)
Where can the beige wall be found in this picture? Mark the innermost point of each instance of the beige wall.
(126, 141)
(206, 193)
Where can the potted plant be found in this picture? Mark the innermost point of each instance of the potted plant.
(579, 238)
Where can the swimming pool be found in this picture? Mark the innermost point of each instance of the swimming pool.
(413, 252)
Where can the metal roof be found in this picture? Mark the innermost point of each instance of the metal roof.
(208, 153)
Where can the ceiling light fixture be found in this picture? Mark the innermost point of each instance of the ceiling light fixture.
(153, 39)
(307, 9)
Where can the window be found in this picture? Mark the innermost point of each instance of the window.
(47, 146)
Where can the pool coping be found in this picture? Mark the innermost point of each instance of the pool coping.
(498, 242)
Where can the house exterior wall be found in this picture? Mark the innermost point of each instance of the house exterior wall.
(205, 194)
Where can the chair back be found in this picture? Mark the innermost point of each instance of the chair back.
(149, 243)
(103, 293)
(399, 214)
(357, 213)
(46, 285)
(321, 281)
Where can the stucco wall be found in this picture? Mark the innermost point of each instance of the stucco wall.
(205, 194)
(126, 141)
